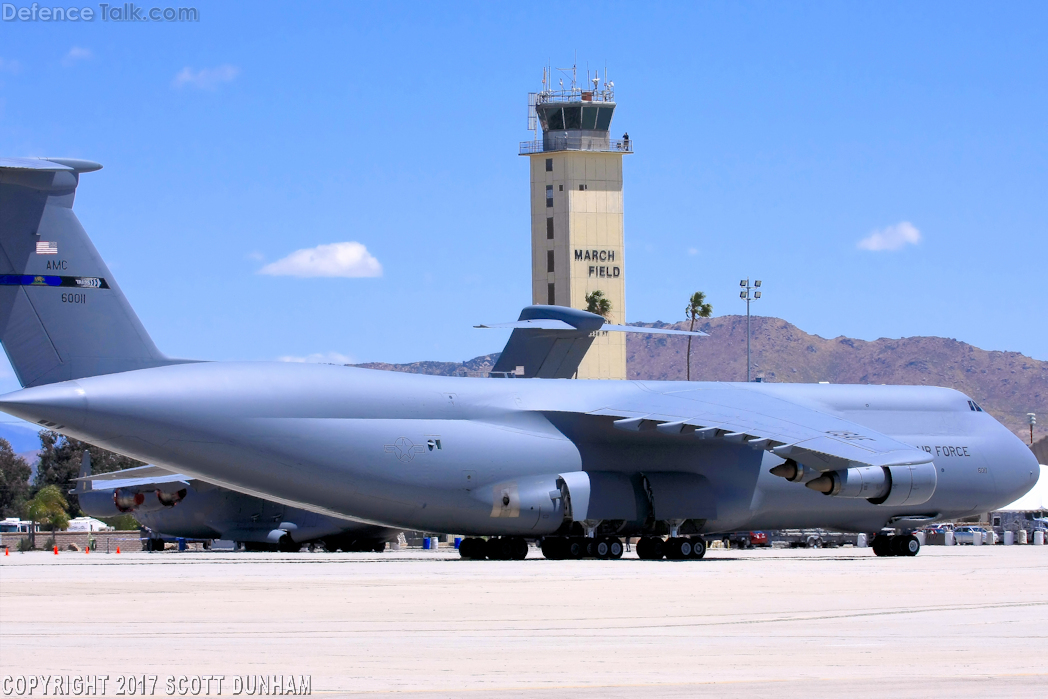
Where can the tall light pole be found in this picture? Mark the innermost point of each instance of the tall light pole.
(1032, 417)
(747, 296)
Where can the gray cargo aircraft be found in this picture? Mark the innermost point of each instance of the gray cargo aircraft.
(575, 464)
(172, 505)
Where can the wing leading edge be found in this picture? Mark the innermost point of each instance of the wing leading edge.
(819, 440)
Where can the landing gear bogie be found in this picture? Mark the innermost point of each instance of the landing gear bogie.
(497, 548)
(897, 545)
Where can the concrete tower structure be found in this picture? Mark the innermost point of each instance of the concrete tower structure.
(576, 209)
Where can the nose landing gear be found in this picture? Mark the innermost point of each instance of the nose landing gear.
(900, 545)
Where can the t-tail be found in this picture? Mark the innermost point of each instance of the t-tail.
(62, 315)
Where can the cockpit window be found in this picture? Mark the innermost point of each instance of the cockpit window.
(974, 407)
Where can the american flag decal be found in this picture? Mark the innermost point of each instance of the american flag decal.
(45, 248)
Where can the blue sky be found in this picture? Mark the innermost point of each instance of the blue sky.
(771, 140)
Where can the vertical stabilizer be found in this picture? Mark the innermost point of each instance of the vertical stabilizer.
(85, 471)
(62, 315)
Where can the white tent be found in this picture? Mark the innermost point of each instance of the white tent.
(1036, 499)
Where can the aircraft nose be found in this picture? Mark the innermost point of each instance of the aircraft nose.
(52, 406)
(1019, 473)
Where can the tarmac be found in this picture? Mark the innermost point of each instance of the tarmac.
(952, 622)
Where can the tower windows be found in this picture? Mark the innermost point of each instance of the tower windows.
(573, 117)
(549, 164)
(562, 188)
(549, 228)
(549, 196)
(583, 187)
(549, 261)
(551, 296)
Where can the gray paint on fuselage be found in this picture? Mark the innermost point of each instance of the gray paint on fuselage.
(325, 438)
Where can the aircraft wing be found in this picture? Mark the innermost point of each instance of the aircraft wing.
(809, 436)
(141, 475)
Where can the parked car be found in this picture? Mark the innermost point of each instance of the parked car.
(966, 535)
(747, 540)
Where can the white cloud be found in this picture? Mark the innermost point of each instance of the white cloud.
(206, 78)
(9, 65)
(75, 54)
(322, 358)
(334, 260)
(693, 251)
(891, 238)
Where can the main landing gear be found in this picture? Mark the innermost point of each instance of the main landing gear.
(559, 548)
(676, 548)
(901, 545)
(497, 548)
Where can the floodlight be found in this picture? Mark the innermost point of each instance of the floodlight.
(742, 294)
(757, 295)
(744, 282)
(757, 283)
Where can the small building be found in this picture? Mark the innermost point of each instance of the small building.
(87, 524)
(13, 525)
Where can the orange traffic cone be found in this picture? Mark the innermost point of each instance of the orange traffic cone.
(56, 549)
(87, 549)
(118, 549)
(7, 551)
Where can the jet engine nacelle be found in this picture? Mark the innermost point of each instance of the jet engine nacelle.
(172, 498)
(534, 504)
(127, 500)
(913, 484)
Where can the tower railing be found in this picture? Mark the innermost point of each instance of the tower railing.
(552, 144)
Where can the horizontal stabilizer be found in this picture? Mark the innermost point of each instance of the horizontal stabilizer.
(549, 342)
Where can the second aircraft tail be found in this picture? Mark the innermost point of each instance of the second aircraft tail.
(62, 315)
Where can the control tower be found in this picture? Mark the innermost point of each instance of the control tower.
(576, 207)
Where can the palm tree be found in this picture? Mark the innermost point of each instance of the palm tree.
(696, 308)
(598, 303)
(47, 507)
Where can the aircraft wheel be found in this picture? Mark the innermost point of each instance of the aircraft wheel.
(899, 545)
(672, 549)
(288, 545)
(554, 548)
(616, 548)
(658, 549)
(497, 548)
(576, 547)
(911, 546)
(602, 548)
(473, 548)
(518, 548)
(590, 547)
(698, 547)
(379, 547)
(644, 552)
(882, 545)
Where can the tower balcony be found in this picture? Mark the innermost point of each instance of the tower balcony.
(576, 141)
